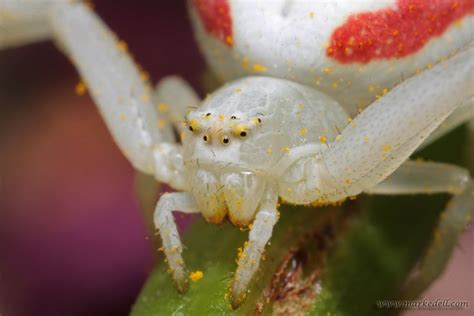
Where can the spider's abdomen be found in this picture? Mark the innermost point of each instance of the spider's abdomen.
(352, 51)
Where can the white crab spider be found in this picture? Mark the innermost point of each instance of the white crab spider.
(257, 139)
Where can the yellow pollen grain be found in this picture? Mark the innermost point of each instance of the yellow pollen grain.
(162, 107)
(80, 88)
(229, 40)
(335, 85)
(366, 139)
(312, 15)
(196, 276)
(328, 70)
(338, 138)
(238, 90)
(387, 148)
(259, 68)
(146, 98)
(221, 117)
(239, 254)
(303, 131)
(285, 149)
(161, 124)
(385, 91)
(371, 88)
(122, 45)
(122, 116)
(323, 139)
(182, 135)
(269, 150)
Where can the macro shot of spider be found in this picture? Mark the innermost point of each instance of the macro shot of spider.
(323, 101)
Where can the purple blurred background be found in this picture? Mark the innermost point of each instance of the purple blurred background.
(72, 238)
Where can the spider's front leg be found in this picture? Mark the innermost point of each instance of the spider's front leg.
(119, 89)
(122, 95)
(383, 136)
(376, 144)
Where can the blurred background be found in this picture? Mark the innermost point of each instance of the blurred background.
(72, 237)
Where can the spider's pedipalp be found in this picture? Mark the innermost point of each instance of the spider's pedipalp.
(166, 226)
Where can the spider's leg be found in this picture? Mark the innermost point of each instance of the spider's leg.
(23, 22)
(421, 177)
(122, 94)
(453, 222)
(166, 225)
(115, 84)
(384, 135)
(174, 97)
(428, 177)
(461, 115)
(381, 138)
(260, 233)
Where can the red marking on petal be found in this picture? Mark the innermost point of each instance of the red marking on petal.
(215, 15)
(395, 33)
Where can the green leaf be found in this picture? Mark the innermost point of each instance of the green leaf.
(321, 261)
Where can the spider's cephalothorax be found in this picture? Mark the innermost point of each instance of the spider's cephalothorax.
(242, 137)
(356, 96)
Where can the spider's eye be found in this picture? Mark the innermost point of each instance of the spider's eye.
(225, 140)
(208, 114)
(259, 120)
(205, 138)
(233, 117)
(240, 130)
(193, 125)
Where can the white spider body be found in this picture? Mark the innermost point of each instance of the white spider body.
(351, 113)
(276, 116)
